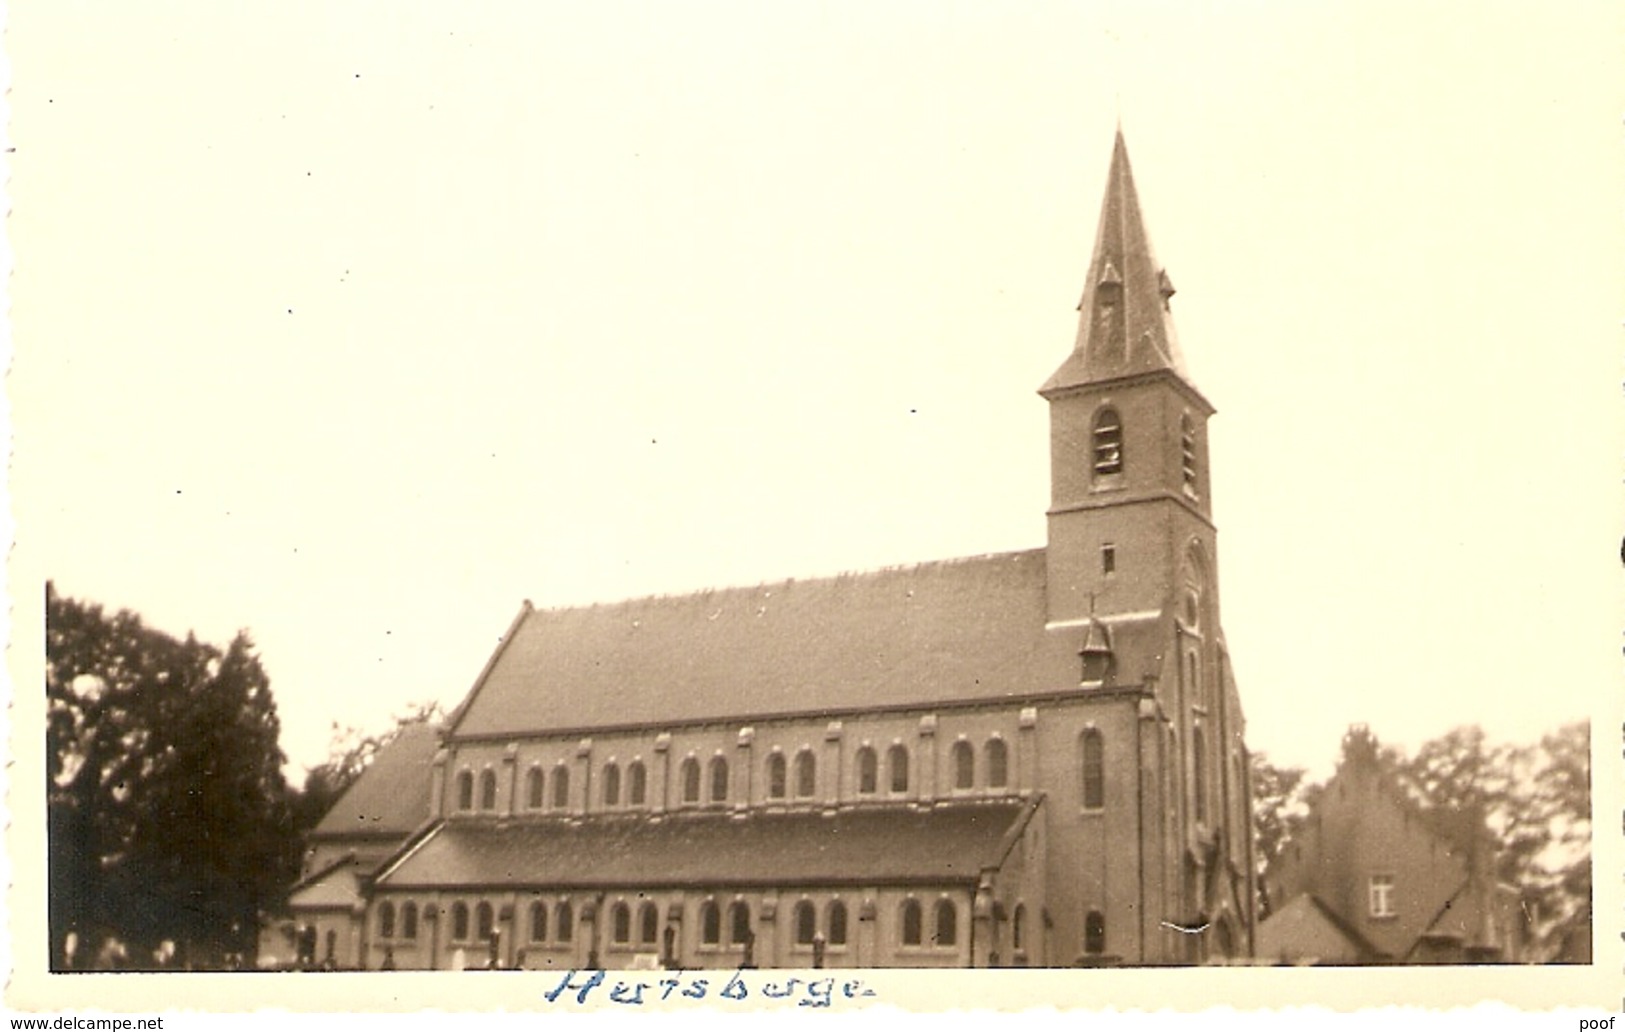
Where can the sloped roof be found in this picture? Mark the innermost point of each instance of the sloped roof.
(391, 797)
(337, 886)
(1306, 929)
(952, 631)
(889, 846)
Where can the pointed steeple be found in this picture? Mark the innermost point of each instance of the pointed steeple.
(1124, 326)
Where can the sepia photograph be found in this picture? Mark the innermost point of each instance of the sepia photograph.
(786, 503)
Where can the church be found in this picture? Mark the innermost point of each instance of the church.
(1025, 759)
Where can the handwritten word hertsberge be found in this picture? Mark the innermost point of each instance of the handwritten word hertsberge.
(816, 992)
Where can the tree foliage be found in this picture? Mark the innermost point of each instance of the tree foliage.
(168, 814)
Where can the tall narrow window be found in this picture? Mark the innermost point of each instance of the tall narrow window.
(998, 763)
(897, 767)
(947, 923)
(648, 924)
(868, 771)
(1094, 770)
(1094, 933)
(459, 922)
(637, 787)
(465, 790)
(719, 779)
(806, 923)
(691, 780)
(488, 790)
(1199, 772)
(484, 922)
(775, 776)
(710, 923)
(837, 923)
(1018, 930)
(564, 922)
(964, 765)
(1108, 443)
(806, 774)
(561, 787)
(386, 920)
(1108, 558)
(621, 924)
(739, 932)
(612, 785)
(538, 921)
(1187, 452)
(533, 788)
(911, 920)
(1382, 895)
(409, 921)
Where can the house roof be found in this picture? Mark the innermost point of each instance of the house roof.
(953, 631)
(1304, 928)
(892, 845)
(391, 797)
(335, 887)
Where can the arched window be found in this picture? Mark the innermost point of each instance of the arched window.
(964, 765)
(409, 922)
(739, 932)
(837, 923)
(947, 923)
(564, 922)
(612, 785)
(538, 921)
(561, 787)
(710, 923)
(691, 780)
(1018, 929)
(621, 923)
(484, 921)
(1187, 451)
(897, 766)
(806, 774)
(719, 779)
(1108, 443)
(648, 924)
(465, 790)
(637, 784)
(806, 923)
(911, 922)
(1094, 932)
(998, 763)
(386, 920)
(1199, 771)
(488, 790)
(1094, 770)
(534, 780)
(775, 776)
(868, 771)
(459, 922)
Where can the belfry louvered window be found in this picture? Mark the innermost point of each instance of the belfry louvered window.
(1187, 452)
(1108, 443)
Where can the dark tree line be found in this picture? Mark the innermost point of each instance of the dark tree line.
(1534, 799)
(170, 825)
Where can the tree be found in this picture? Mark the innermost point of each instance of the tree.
(168, 814)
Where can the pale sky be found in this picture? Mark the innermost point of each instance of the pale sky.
(356, 324)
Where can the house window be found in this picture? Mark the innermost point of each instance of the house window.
(621, 924)
(1187, 452)
(484, 922)
(1108, 443)
(1094, 770)
(564, 922)
(488, 790)
(837, 923)
(1199, 773)
(719, 780)
(409, 922)
(897, 764)
(710, 924)
(691, 780)
(538, 921)
(612, 785)
(739, 932)
(533, 788)
(806, 774)
(561, 787)
(1382, 895)
(648, 924)
(465, 790)
(1108, 558)
(637, 788)
(806, 923)
(459, 922)
(868, 771)
(998, 763)
(1094, 932)
(386, 920)
(964, 765)
(911, 922)
(1018, 922)
(775, 776)
(947, 923)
